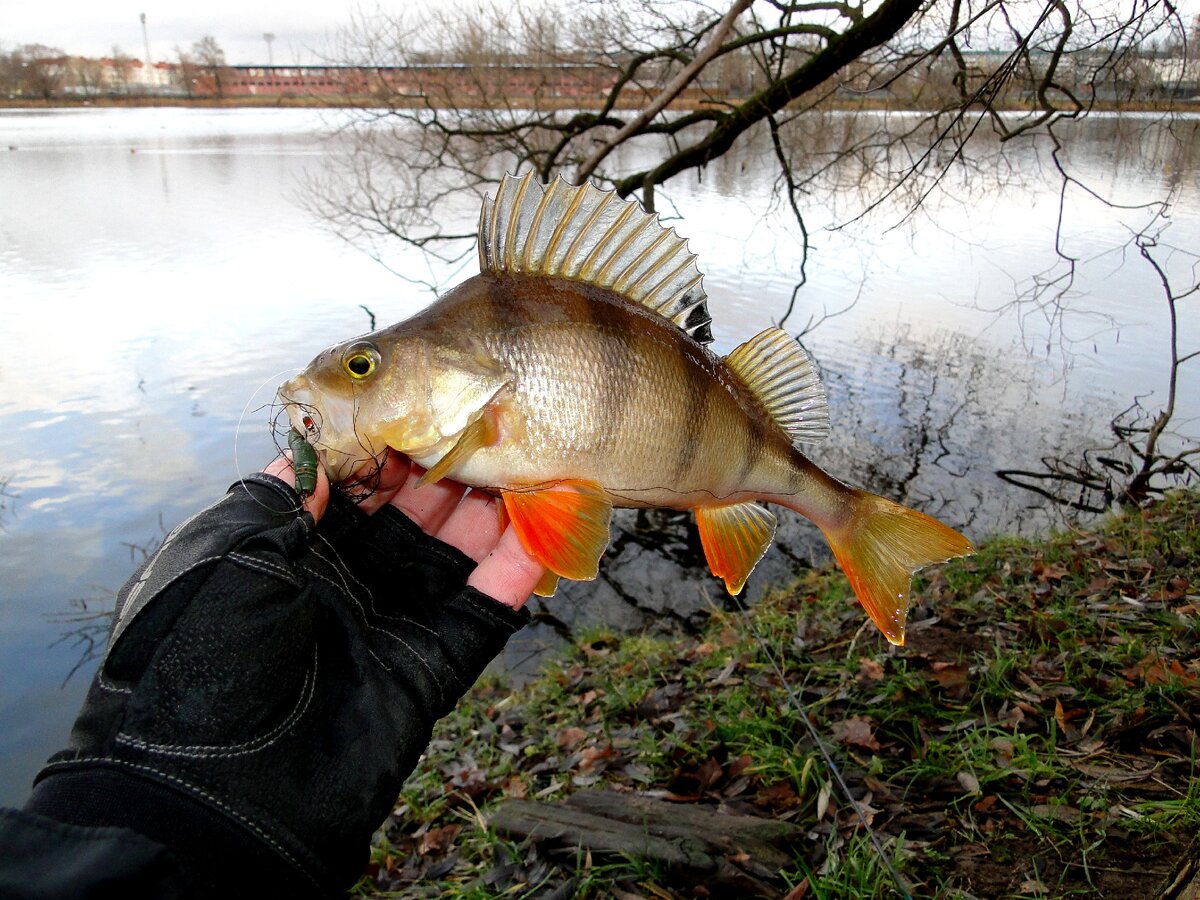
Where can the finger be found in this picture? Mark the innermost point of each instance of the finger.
(429, 505)
(508, 574)
(389, 478)
(315, 502)
(473, 527)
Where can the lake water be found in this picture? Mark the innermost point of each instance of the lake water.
(159, 277)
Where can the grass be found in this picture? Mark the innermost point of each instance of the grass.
(1035, 738)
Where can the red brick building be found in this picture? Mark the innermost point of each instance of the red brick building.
(430, 80)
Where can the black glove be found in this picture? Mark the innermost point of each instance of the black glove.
(268, 686)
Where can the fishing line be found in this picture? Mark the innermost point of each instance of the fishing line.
(830, 764)
(237, 469)
(364, 483)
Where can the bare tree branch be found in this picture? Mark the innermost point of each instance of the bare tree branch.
(668, 93)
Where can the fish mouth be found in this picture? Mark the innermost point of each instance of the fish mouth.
(340, 450)
(302, 404)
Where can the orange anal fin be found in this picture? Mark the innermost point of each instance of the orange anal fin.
(564, 526)
(480, 433)
(734, 537)
(881, 547)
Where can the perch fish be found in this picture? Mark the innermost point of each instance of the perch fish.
(572, 376)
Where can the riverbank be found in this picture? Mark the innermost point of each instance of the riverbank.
(1036, 737)
(303, 101)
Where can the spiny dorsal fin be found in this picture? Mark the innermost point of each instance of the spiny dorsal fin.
(779, 373)
(587, 234)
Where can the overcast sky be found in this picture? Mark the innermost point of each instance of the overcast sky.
(302, 28)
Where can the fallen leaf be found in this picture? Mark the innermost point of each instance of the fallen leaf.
(594, 758)
(738, 766)
(569, 737)
(1153, 670)
(515, 787)
(856, 730)
(1175, 589)
(660, 700)
(969, 782)
(950, 675)
(779, 796)
(869, 669)
(589, 697)
(442, 868)
(823, 799)
(437, 841)
(470, 781)
(1049, 572)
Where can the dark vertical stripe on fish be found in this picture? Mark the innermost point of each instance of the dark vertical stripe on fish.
(697, 411)
(795, 472)
(752, 448)
(618, 356)
(490, 314)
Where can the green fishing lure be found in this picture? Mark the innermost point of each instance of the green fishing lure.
(304, 463)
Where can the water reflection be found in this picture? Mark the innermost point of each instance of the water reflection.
(151, 297)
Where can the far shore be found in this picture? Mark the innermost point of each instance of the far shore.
(335, 102)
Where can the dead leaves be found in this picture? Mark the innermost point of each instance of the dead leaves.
(569, 737)
(1153, 670)
(869, 670)
(715, 777)
(856, 731)
(1047, 700)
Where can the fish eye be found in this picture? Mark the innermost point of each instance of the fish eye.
(360, 361)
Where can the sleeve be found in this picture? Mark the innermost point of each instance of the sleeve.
(44, 859)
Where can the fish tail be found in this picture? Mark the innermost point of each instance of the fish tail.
(880, 545)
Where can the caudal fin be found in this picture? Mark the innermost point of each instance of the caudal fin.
(879, 549)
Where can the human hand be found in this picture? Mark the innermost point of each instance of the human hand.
(466, 519)
(270, 682)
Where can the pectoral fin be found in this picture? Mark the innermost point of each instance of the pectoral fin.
(734, 538)
(564, 526)
(480, 433)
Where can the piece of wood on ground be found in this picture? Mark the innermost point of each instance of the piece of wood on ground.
(736, 851)
(1184, 881)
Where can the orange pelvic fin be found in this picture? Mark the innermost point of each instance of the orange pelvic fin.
(564, 526)
(734, 537)
(880, 548)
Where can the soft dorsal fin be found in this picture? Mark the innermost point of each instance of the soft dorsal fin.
(780, 374)
(590, 235)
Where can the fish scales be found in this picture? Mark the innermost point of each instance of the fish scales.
(605, 391)
(571, 376)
